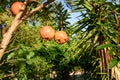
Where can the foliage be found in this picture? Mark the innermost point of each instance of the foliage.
(97, 27)
(30, 57)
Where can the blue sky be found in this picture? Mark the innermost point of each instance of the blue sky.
(73, 17)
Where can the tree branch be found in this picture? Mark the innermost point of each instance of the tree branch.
(15, 23)
(37, 9)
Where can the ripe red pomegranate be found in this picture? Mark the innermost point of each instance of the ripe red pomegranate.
(15, 7)
(47, 32)
(61, 37)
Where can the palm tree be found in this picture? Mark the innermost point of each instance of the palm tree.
(97, 26)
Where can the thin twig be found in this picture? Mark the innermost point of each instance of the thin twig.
(12, 50)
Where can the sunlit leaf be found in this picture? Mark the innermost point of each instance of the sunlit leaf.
(112, 63)
(105, 46)
(30, 55)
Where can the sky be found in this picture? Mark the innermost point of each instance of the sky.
(73, 17)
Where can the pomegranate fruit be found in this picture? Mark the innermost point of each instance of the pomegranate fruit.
(61, 37)
(47, 32)
(15, 7)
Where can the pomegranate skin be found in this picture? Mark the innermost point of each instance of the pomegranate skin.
(47, 33)
(15, 7)
(61, 37)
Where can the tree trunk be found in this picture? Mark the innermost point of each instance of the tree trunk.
(105, 58)
(116, 73)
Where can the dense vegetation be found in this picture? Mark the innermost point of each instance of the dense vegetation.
(93, 46)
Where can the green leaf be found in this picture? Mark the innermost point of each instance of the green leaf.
(30, 55)
(111, 50)
(112, 63)
(10, 55)
(2, 10)
(105, 46)
(87, 5)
